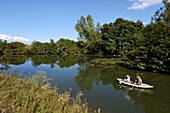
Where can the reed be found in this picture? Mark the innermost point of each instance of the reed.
(30, 96)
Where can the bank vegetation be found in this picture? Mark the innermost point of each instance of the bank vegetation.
(35, 95)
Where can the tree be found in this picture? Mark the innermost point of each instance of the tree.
(162, 14)
(153, 54)
(15, 48)
(108, 38)
(36, 47)
(66, 46)
(89, 33)
(121, 36)
(2, 46)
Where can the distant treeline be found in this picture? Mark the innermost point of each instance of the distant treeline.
(63, 46)
(143, 46)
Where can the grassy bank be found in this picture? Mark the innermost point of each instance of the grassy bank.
(106, 62)
(30, 96)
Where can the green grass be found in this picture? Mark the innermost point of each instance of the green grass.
(30, 96)
(106, 62)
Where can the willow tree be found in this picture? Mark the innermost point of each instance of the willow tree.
(89, 33)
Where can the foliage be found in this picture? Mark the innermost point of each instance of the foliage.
(108, 38)
(106, 62)
(21, 95)
(2, 46)
(66, 46)
(162, 14)
(153, 53)
(89, 33)
(15, 48)
(82, 47)
(121, 36)
(43, 48)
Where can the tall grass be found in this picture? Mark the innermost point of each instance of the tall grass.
(31, 96)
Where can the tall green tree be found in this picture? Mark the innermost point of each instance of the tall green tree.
(121, 36)
(162, 14)
(89, 33)
(153, 53)
(157, 40)
(108, 38)
(157, 45)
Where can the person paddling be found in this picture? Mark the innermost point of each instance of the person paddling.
(138, 80)
(127, 79)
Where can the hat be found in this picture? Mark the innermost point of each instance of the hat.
(127, 76)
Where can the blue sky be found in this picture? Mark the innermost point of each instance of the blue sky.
(42, 20)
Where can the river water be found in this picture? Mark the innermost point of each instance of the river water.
(98, 84)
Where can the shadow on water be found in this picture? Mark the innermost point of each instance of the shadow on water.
(99, 84)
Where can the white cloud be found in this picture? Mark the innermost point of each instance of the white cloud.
(13, 38)
(142, 4)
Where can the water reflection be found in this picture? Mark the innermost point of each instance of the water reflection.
(151, 100)
(16, 60)
(89, 75)
(99, 84)
(63, 62)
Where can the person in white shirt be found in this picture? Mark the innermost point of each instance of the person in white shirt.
(138, 80)
(127, 79)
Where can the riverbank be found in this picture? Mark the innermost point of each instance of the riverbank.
(106, 62)
(22, 95)
(124, 62)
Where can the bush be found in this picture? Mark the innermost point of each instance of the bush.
(29, 96)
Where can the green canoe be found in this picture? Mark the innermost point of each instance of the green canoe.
(143, 85)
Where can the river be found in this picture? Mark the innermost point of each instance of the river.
(98, 84)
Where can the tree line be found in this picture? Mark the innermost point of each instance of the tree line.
(142, 46)
(62, 46)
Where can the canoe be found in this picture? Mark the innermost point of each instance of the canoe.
(143, 85)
